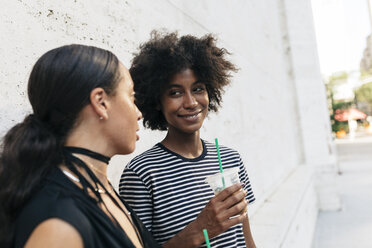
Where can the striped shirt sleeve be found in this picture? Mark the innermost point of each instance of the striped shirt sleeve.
(137, 195)
(243, 175)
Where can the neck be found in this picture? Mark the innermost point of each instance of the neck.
(186, 145)
(95, 162)
(82, 137)
(97, 167)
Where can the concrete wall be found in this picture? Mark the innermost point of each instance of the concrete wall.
(274, 113)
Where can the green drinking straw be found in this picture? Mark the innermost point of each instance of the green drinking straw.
(206, 238)
(219, 161)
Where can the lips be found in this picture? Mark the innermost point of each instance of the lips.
(191, 117)
(137, 136)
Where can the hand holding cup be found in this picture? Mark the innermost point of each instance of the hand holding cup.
(223, 211)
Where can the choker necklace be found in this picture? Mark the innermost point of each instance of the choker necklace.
(94, 155)
(88, 153)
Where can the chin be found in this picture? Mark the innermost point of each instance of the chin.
(127, 150)
(191, 131)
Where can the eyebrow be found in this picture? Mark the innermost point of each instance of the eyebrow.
(179, 86)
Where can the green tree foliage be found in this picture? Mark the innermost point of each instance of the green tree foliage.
(336, 79)
(364, 93)
(366, 73)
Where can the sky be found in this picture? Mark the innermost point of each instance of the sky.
(341, 28)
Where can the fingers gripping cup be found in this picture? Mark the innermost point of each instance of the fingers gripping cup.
(228, 176)
(216, 182)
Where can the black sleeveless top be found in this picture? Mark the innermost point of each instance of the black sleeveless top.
(60, 198)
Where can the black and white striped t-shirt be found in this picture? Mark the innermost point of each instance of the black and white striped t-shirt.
(168, 191)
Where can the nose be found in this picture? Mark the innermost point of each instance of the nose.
(189, 101)
(139, 114)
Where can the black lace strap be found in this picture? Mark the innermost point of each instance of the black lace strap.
(88, 153)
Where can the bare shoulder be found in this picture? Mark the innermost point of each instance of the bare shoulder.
(55, 233)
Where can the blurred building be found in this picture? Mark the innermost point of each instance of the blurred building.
(366, 61)
(274, 113)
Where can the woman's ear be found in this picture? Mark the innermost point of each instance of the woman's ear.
(99, 101)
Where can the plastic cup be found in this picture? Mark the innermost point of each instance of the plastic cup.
(230, 176)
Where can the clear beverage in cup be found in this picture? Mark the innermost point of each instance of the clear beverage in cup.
(230, 176)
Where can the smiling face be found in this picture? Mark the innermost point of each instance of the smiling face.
(184, 103)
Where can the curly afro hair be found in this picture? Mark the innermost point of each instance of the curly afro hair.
(165, 55)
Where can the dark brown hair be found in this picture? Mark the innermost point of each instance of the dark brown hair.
(165, 55)
(58, 88)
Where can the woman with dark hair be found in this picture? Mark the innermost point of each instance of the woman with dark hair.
(54, 190)
(177, 80)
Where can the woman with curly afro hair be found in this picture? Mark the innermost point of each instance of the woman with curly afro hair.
(177, 81)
